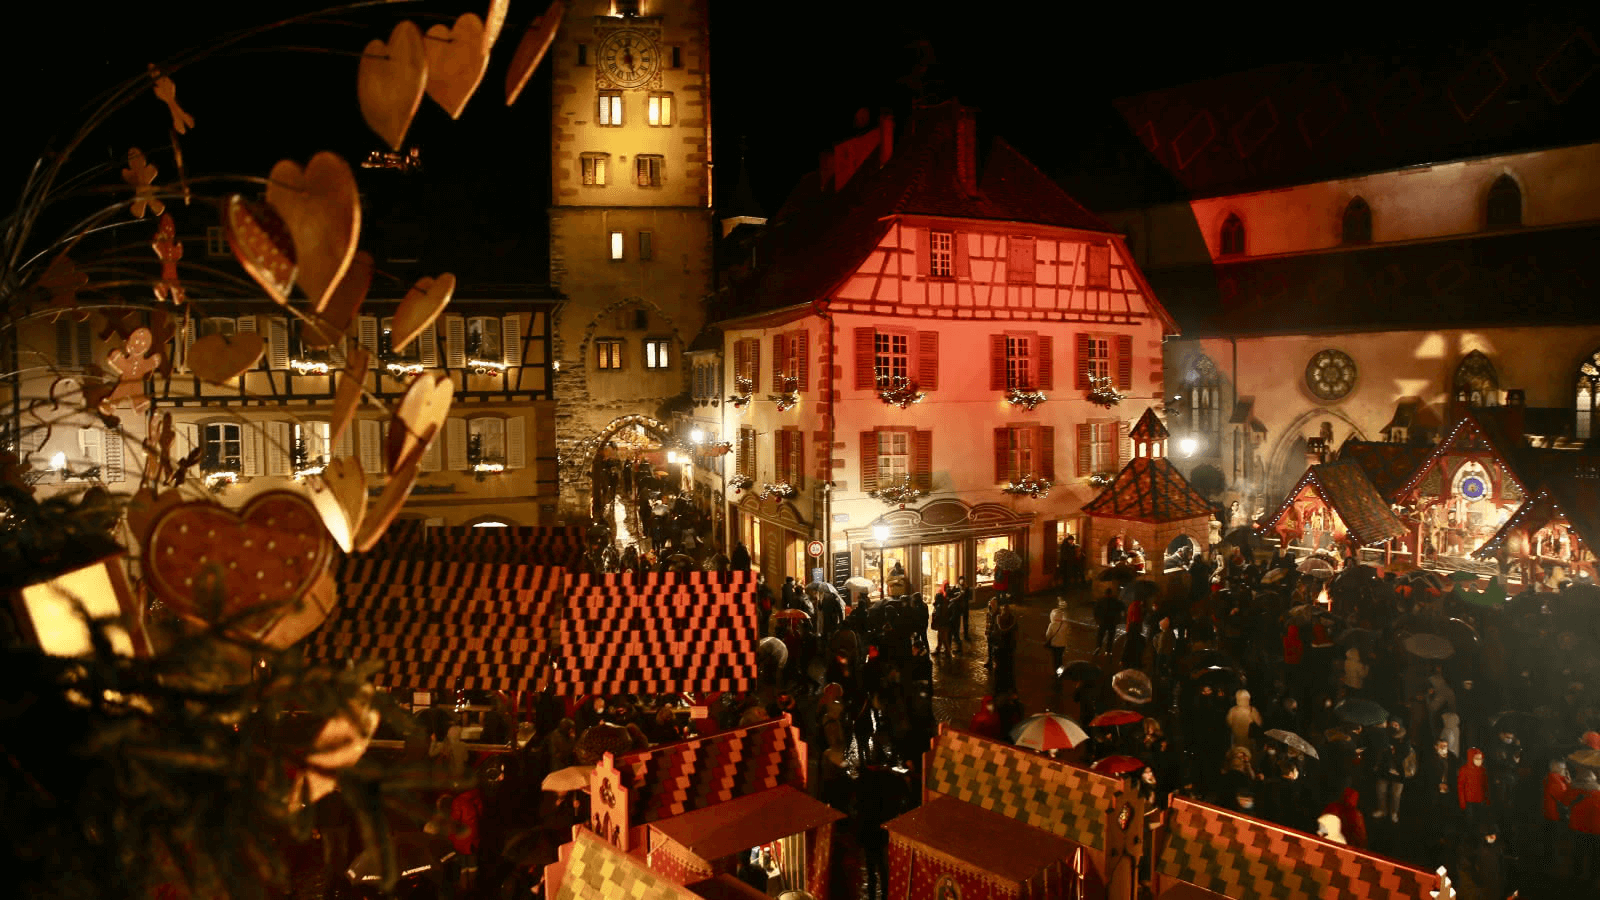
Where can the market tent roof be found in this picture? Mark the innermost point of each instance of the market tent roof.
(736, 825)
(1149, 427)
(668, 780)
(1149, 489)
(1575, 499)
(1388, 466)
(1007, 849)
(1344, 486)
(1476, 430)
(598, 871)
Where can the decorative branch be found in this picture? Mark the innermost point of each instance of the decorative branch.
(789, 399)
(743, 388)
(780, 490)
(739, 483)
(1033, 486)
(1025, 398)
(1103, 391)
(1101, 479)
(897, 390)
(898, 493)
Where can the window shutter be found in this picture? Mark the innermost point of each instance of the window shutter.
(1047, 451)
(1124, 362)
(780, 455)
(91, 444)
(341, 444)
(1002, 454)
(188, 438)
(428, 346)
(430, 454)
(455, 342)
(277, 343)
(190, 331)
(367, 333)
(65, 346)
(797, 459)
(1081, 378)
(869, 460)
(1044, 362)
(1124, 446)
(928, 360)
(780, 360)
(802, 354)
(245, 324)
(516, 442)
(1085, 450)
(279, 436)
(741, 354)
(455, 444)
(922, 460)
(866, 376)
(755, 362)
(336, 351)
(111, 471)
(511, 339)
(250, 446)
(963, 264)
(85, 341)
(371, 446)
(921, 243)
(997, 362)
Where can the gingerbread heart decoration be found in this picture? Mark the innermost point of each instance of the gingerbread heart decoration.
(340, 496)
(219, 358)
(347, 396)
(341, 308)
(532, 48)
(262, 244)
(390, 83)
(321, 206)
(304, 616)
(422, 304)
(493, 21)
(402, 476)
(211, 564)
(421, 412)
(457, 59)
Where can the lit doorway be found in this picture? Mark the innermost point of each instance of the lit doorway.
(941, 565)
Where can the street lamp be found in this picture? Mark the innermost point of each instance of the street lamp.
(1188, 445)
(696, 436)
(880, 533)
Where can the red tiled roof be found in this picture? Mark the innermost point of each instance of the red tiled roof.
(1388, 466)
(1344, 486)
(1149, 427)
(1149, 490)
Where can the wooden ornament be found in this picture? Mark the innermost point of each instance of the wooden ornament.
(390, 83)
(457, 59)
(340, 496)
(305, 616)
(49, 612)
(532, 48)
(167, 92)
(158, 462)
(321, 206)
(423, 303)
(339, 745)
(219, 358)
(183, 174)
(62, 280)
(261, 242)
(347, 396)
(133, 362)
(493, 21)
(421, 412)
(140, 176)
(145, 507)
(342, 306)
(402, 476)
(209, 563)
(169, 250)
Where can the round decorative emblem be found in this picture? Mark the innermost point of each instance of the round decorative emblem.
(1331, 374)
(1124, 816)
(607, 795)
(1472, 487)
(629, 59)
(946, 888)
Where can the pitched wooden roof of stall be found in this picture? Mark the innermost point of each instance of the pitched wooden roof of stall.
(1389, 466)
(1475, 431)
(1571, 492)
(975, 838)
(1149, 428)
(732, 826)
(1149, 489)
(1344, 486)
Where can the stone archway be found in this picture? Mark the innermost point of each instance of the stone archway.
(1283, 467)
(603, 483)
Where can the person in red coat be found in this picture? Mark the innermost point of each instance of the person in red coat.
(1472, 787)
(1556, 784)
(1584, 820)
(1351, 822)
(1294, 649)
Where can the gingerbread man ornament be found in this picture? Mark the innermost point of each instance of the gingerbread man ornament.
(140, 176)
(169, 249)
(168, 92)
(133, 362)
(62, 280)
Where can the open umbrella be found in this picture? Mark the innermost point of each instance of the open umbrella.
(1048, 731)
(1009, 560)
(1588, 757)
(1209, 659)
(792, 615)
(1363, 638)
(1114, 717)
(1461, 634)
(858, 583)
(1223, 680)
(1274, 576)
(1293, 741)
(415, 853)
(1082, 670)
(562, 781)
(1316, 567)
(1460, 577)
(772, 652)
(1524, 725)
(1133, 686)
(1429, 646)
(1118, 765)
(1357, 711)
(1146, 590)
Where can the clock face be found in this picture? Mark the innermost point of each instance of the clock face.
(629, 59)
(1472, 487)
(1331, 374)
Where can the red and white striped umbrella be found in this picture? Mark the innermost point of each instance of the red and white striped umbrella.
(1048, 731)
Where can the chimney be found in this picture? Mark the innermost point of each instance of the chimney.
(886, 137)
(967, 151)
(825, 169)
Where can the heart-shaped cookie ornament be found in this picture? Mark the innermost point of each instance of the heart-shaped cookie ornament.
(422, 304)
(340, 496)
(250, 568)
(321, 206)
(457, 59)
(421, 412)
(219, 358)
(347, 396)
(390, 83)
(304, 616)
(532, 48)
(402, 477)
(340, 310)
(261, 242)
(494, 19)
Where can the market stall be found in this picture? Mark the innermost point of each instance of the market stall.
(591, 869)
(1551, 535)
(1000, 822)
(1465, 490)
(1148, 508)
(1211, 852)
(1332, 506)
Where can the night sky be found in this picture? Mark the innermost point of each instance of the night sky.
(786, 81)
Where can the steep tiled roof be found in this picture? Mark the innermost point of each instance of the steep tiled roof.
(1149, 490)
(1388, 466)
(1149, 427)
(1344, 486)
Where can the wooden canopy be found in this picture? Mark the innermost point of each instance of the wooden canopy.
(1344, 487)
(968, 835)
(1149, 489)
(734, 826)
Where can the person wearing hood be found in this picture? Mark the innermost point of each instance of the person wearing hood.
(1441, 698)
(1397, 764)
(1328, 829)
(1107, 615)
(1241, 718)
(1352, 823)
(1450, 731)
(1481, 867)
(1438, 804)
(1355, 672)
(1557, 785)
(1059, 632)
(1472, 787)
(1584, 820)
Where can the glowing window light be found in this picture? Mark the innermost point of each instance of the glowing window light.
(489, 525)
(616, 245)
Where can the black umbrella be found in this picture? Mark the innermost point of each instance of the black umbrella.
(1293, 742)
(1274, 576)
(1222, 680)
(1364, 638)
(415, 854)
(1082, 670)
(1462, 635)
(1524, 725)
(1430, 646)
(1210, 659)
(1357, 711)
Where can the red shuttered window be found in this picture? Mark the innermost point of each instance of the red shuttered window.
(1024, 450)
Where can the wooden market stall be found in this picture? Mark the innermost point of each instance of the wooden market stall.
(1000, 822)
(1149, 508)
(591, 869)
(1465, 489)
(1210, 852)
(1552, 535)
(1334, 505)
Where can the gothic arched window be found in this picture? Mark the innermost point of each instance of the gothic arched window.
(1205, 406)
(1588, 396)
(1232, 236)
(1476, 383)
(1504, 207)
(1357, 222)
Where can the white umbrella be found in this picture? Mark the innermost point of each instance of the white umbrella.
(1048, 731)
(565, 781)
(1316, 567)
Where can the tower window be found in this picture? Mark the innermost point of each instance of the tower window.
(1232, 236)
(1357, 226)
(660, 109)
(646, 250)
(608, 354)
(611, 108)
(655, 354)
(616, 245)
(594, 168)
(941, 253)
(1505, 203)
(677, 57)
(648, 168)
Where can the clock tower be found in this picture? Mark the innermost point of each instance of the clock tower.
(630, 218)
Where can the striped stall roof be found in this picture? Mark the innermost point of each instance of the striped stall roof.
(672, 779)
